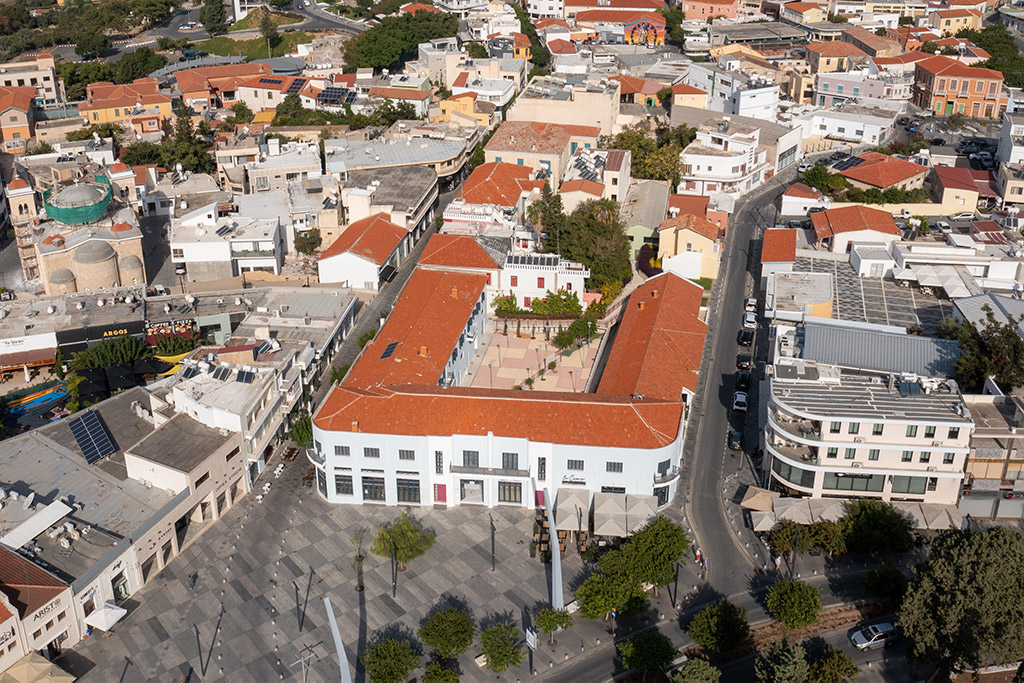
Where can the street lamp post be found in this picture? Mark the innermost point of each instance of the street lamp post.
(490, 370)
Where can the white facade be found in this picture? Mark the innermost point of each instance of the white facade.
(731, 91)
(722, 162)
(539, 9)
(209, 245)
(497, 91)
(799, 206)
(856, 128)
(529, 277)
(461, 8)
(1011, 139)
(842, 241)
(351, 270)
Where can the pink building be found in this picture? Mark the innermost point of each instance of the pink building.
(701, 9)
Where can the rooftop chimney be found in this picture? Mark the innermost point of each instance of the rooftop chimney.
(355, 425)
(654, 294)
(640, 305)
(455, 293)
(423, 351)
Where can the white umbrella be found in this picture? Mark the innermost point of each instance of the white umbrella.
(32, 668)
(827, 510)
(106, 616)
(914, 512)
(610, 514)
(763, 521)
(569, 503)
(640, 510)
(799, 510)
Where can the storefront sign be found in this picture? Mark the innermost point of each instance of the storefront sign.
(4, 637)
(573, 479)
(45, 611)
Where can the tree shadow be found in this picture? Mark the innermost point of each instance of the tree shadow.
(397, 631)
(690, 605)
(496, 619)
(816, 647)
(448, 601)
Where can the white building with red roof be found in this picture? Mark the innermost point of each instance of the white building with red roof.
(493, 201)
(838, 229)
(365, 255)
(799, 199)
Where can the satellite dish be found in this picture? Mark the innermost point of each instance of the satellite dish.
(28, 501)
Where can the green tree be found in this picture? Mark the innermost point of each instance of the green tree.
(674, 18)
(390, 661)
(834, 667)
(593, 235)
(121, 350)
(436, 672)
(405, 537)
(720, 627)
(449, 632)
(886, 583)
(649, 651)
(963, 605)
(697, 671)
(789, 537)
(212, 16)
(395, 39)
(92, 44)
(665, 97)
(876, 526)
(551, 620)
(782, 661)
(141, 153)
(830, 536)
(500, 644)
(654, 550)
(137, 64)
(242, 112)
(476, 50)
(601, 593)
(41, 148)
(539, 54)
(794, 603)
(338, 373)
(302, 430)
(308, 242)
(268, 29)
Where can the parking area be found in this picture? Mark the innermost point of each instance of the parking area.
(878, 301)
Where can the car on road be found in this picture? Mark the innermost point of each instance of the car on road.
(962, 216)
(815, 209)
(736, 440)
(903, 213)
(805, 167)
(739, 402)
(838, 156)
(750, 306)
(742, 380)
(943, 227)
(750, 321)
(795, 225)
(745, 337)
(873, 636)
(743, 363)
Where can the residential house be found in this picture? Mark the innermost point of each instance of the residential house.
(644, 209)
(17, 118)
(283, 164)
(529, 277)
(707, 9)
(109, 103)
(467, 109)
(419, 99)
(698, 205)
(212, 247)
(215, 87)
(945, 86)
(850, 123)
(799, 199)
(731, 91)
(493, 202)
(833, 56)
(949, 21)
(778, 252)
(838, 229)
(684, 95)
(438, 57)
(406, 194)
(595, 174)
(267, 91)
(571, 100)
(871, 44)
(802, 13)
(640, 90)
(39, 73)
(725, 158)
(497, 91)
(460, 8)
(544, 147)
(882, 171)
(367, 253)
(1011, 139)
(690, 246)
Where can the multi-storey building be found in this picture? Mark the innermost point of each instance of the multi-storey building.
(40, 74)
(835, 432)
(725, 158)
(731, 91)
(572, 100)
(946, 86)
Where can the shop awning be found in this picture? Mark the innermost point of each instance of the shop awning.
(569, 504)
(32, 668)
(32, 359)
(610, 514)
(106, 616)
(640, 510)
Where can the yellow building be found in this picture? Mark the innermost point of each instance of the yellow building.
(684, 95)
(109, 103)
(949, 21)
(690, 246)
(465, 107)
(16, 122)
(802, 13)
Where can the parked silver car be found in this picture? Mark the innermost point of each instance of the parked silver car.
(873, 636)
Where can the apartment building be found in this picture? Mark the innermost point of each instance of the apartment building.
(834, 55)
(213, 87)
(871, 44)
(1011, 139)
(283, 164)
(946, 86)
(948, 21)
(109, 103)
(40, 73)
(544, 147)
(529, 277)
(17, 118)
(724, 158)
(211, 247)
(732, 91)
(835, 432)
(573, 100)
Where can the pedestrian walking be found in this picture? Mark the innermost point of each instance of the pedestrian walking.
(192, 580)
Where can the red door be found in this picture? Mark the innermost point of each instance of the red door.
(440, 493)
(539, 495)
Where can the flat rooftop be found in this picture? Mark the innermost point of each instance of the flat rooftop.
(346, 155)
(227, 229)
(226, 393)
(402, 187)
(26, 317)
(181, 443)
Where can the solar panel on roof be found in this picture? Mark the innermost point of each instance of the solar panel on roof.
(245, 377)
(296, 86)
(92, 436)
(190, 372)
(184, 308)
(263, 348)
(222, 373)
(271, 81)
(388, 350)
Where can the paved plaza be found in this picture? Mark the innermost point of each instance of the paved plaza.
(263, 571)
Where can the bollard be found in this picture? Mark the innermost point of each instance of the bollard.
(551, 665)
(598, 641)
(567, 656)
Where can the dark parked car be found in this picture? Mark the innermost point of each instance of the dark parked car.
(836, 156)
(815, 209)
(902, 121)
(743, 363)
(745, 337)
(742, 380)
(735, 440)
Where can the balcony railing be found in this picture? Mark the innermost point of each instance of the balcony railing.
(666, 476)
(254, 253)
(314, 457)
(497, 471)
(805, 429)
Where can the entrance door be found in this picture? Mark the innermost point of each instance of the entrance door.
(120, 585)
(440, 493)
(949, 108)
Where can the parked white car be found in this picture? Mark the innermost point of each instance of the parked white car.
(750, 321)
(739, 402)
(962, 216)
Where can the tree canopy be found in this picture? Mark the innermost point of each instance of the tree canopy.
(601, 593)
(448, 632)
(390, 661)
(653, 158)
(500, 644)
(835, 667)
(1005, 57)
(719, 627)
(782, 661)
(138, 64)
(995, 350)
(648, 651)
(697, 671)
(876, 526)
(395, 39)
(592, 235)
(551, 620)
(302, 430)
(212, 16)
(406, 537)
(794, 603)
(963, 605)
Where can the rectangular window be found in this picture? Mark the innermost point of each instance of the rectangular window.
(907, 456)
(911, 430)
(341, 450)
(510, 461)
(540, 283)
(954, 432)
(909, 484)
(373, 488)
(877, 429)
(343, 484)
(542, 469)
(408, 490)
(232, 454)
(371, 452)
(835, 427)
(575, 465)
(202, 480)
(873, 454)
(613, 467)
(471, 458)
(933, 483)
(947, 458)
(406, 455)
(925, 456)
(514, 281)
(177, 253)
(321, 482)
(37, 633)
(854, 428)
(438, 462)
(929, 432)
(510, 492)
(838, 481)
(317, 447)
(851, 453)
(832, 452)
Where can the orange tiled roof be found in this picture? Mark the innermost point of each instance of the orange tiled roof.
(618, 4)
(207, 78)
(660, 341)
(869, 38)
(374, 238)
(561, 47)
(803, 191)
(119, 167)
(905, 58)
(530, 137)
(850, 219)
(143, 91)
(542, 416)
(16, 97)
(414, 7)
(582, 185)
(456, 251)
(631, 85)
(684, 89)
(800, 7)
(779, 246)
(694, 204)
(498, 183)
(470, 95)
(426, 324)
(17, 184)
(882, 170)
(612, 16)
(461, 80)
(551, 21)
(957, 13)
(520, 40)
(941, 65)
(697, 224)
(275, 82)
(398, 93)
(836, 48)
(26, 585)
(955, 178)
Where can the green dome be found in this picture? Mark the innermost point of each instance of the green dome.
(78, 204)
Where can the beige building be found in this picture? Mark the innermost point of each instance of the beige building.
(544, 147)
(40, 74)
(569, 101)
(1011, 183)
(996, 457)
(690, 246)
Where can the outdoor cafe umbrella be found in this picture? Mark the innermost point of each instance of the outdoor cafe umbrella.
(120, 377)
(149, 366)
(567, 501)
(106, 616)
(32, 668)
(763, 521)
(640, 510)
(94, 381)
(610, 514)
(758, 499)
(793, 509)
(914, 512)
(827, 510)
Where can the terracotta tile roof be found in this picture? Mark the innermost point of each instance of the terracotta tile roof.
(800, 7)
(119, 167)
(631, 85)
(957, 13)
(688, 221)
(689, 203)
(461, 80)
(374, 238)
(881, 170)
(348, 80)
(541, 416)
(875, 42)
(850, 219)
(955, 178)
(470, 95)
(520, 40)
(561, 47)
(16, 98)
(399, 93)
(779, 246)
(426, 323)
(905, 58)
(498, 183)
(947, 66)
(456, 251)
(985, 183)
(548, 22)
(414, 7)
(18, 184)
(658, 347)
(26, 585)
(618, 4)
(684, 89)
(277, 82)
(143, 91)
(613, 16)
(802, 191)
(530, 137)
(210, 77)
(836, 48)
(582, 185)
